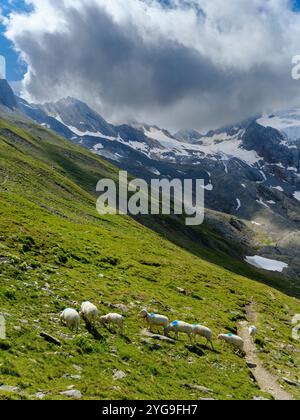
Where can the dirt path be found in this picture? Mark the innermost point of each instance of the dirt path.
(267, 382)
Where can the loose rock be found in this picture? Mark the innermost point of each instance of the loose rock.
(72, 393)
(50, 338)
(158, 337)
(199, 388)
(118, 375)
(290, 382)
(7, 388)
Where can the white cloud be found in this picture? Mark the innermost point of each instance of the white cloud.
(196, 63)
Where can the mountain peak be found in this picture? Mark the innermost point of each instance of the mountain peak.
(78, 117)
(70, 100)
(187, 135)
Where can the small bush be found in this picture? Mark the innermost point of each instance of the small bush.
(113, 261)
(27, 243)
(83, 345)
(5, 345)
(9, 370)
(61, 258)
(9, 294)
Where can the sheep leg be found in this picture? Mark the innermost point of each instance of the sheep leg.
(211, 343)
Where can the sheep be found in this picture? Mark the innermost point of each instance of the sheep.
(89, 312)
(70, 318)
(155, 320)
(252, 330)
(203, 332)
(234, 340)
(115, 319)
(181, 327)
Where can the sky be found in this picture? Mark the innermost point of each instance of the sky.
(176, 63)
(15, 69)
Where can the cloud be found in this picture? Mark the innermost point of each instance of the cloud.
(181, 63)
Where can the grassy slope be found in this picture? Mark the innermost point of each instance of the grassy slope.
(51, 235)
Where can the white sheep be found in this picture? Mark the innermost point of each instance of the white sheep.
(70, 318)
(203, 332)
(252, 330)
(89, 312)
(114, 319)
(234, 340)
(155, 320)
(181, 327)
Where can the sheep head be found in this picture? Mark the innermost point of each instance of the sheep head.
(103, 319)
(172, 326)
(144, 313)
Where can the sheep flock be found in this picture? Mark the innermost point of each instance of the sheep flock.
(90, 314)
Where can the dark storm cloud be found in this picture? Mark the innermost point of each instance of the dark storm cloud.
(113, 61)
(102, 60)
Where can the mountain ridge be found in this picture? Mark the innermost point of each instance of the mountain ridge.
(7, 96)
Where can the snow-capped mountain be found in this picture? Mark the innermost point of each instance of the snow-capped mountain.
(247, 167)
(69, 117)
(287, 122)
(78, 117)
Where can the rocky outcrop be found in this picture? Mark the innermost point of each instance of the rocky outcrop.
(7, 97)
(271, 145)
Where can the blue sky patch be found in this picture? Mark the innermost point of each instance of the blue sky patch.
(15, 69)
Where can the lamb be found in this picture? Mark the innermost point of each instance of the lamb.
(115, 319)
(89, 312)
(203, 332)
(155, 320)
(181, 327)
(70, 318)
(234, 340)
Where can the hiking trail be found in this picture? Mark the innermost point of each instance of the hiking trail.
(267, 382)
